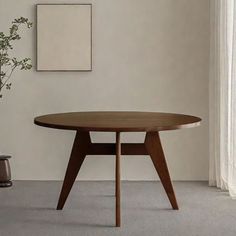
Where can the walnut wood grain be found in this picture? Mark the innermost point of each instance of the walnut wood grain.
(110, 149)
(154, 148)
(117, 121)
(78, 154)
(118, 153)
(149, 122)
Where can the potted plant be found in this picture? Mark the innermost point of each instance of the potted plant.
(8, 65)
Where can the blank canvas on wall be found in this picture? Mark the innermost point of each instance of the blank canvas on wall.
(64, 37)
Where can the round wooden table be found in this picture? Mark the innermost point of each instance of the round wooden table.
(149, 122)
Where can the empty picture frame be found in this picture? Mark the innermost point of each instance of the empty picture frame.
(64, 37)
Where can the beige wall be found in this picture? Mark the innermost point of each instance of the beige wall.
(148, 55)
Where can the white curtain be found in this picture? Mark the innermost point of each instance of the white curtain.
(222, 171)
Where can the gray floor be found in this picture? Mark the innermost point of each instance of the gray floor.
(28, 209)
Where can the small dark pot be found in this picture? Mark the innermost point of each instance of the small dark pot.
(5, 172)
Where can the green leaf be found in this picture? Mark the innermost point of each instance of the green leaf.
(13, 29)
(8, 86)
(9, 64)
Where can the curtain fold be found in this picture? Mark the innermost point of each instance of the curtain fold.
(222, 165)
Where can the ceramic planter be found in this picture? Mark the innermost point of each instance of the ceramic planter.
(5, 172)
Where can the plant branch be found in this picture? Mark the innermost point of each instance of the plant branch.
(8, 77)
(10, 64)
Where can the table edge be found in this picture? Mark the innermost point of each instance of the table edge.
(118, 129)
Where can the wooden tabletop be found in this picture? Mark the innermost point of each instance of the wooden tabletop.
(117, 121)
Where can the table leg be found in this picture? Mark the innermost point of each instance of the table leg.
(118, 152)
(79, 150)
(154, 149)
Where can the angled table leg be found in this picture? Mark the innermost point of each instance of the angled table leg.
(118, 152)
(79, 150)
(154, 149)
